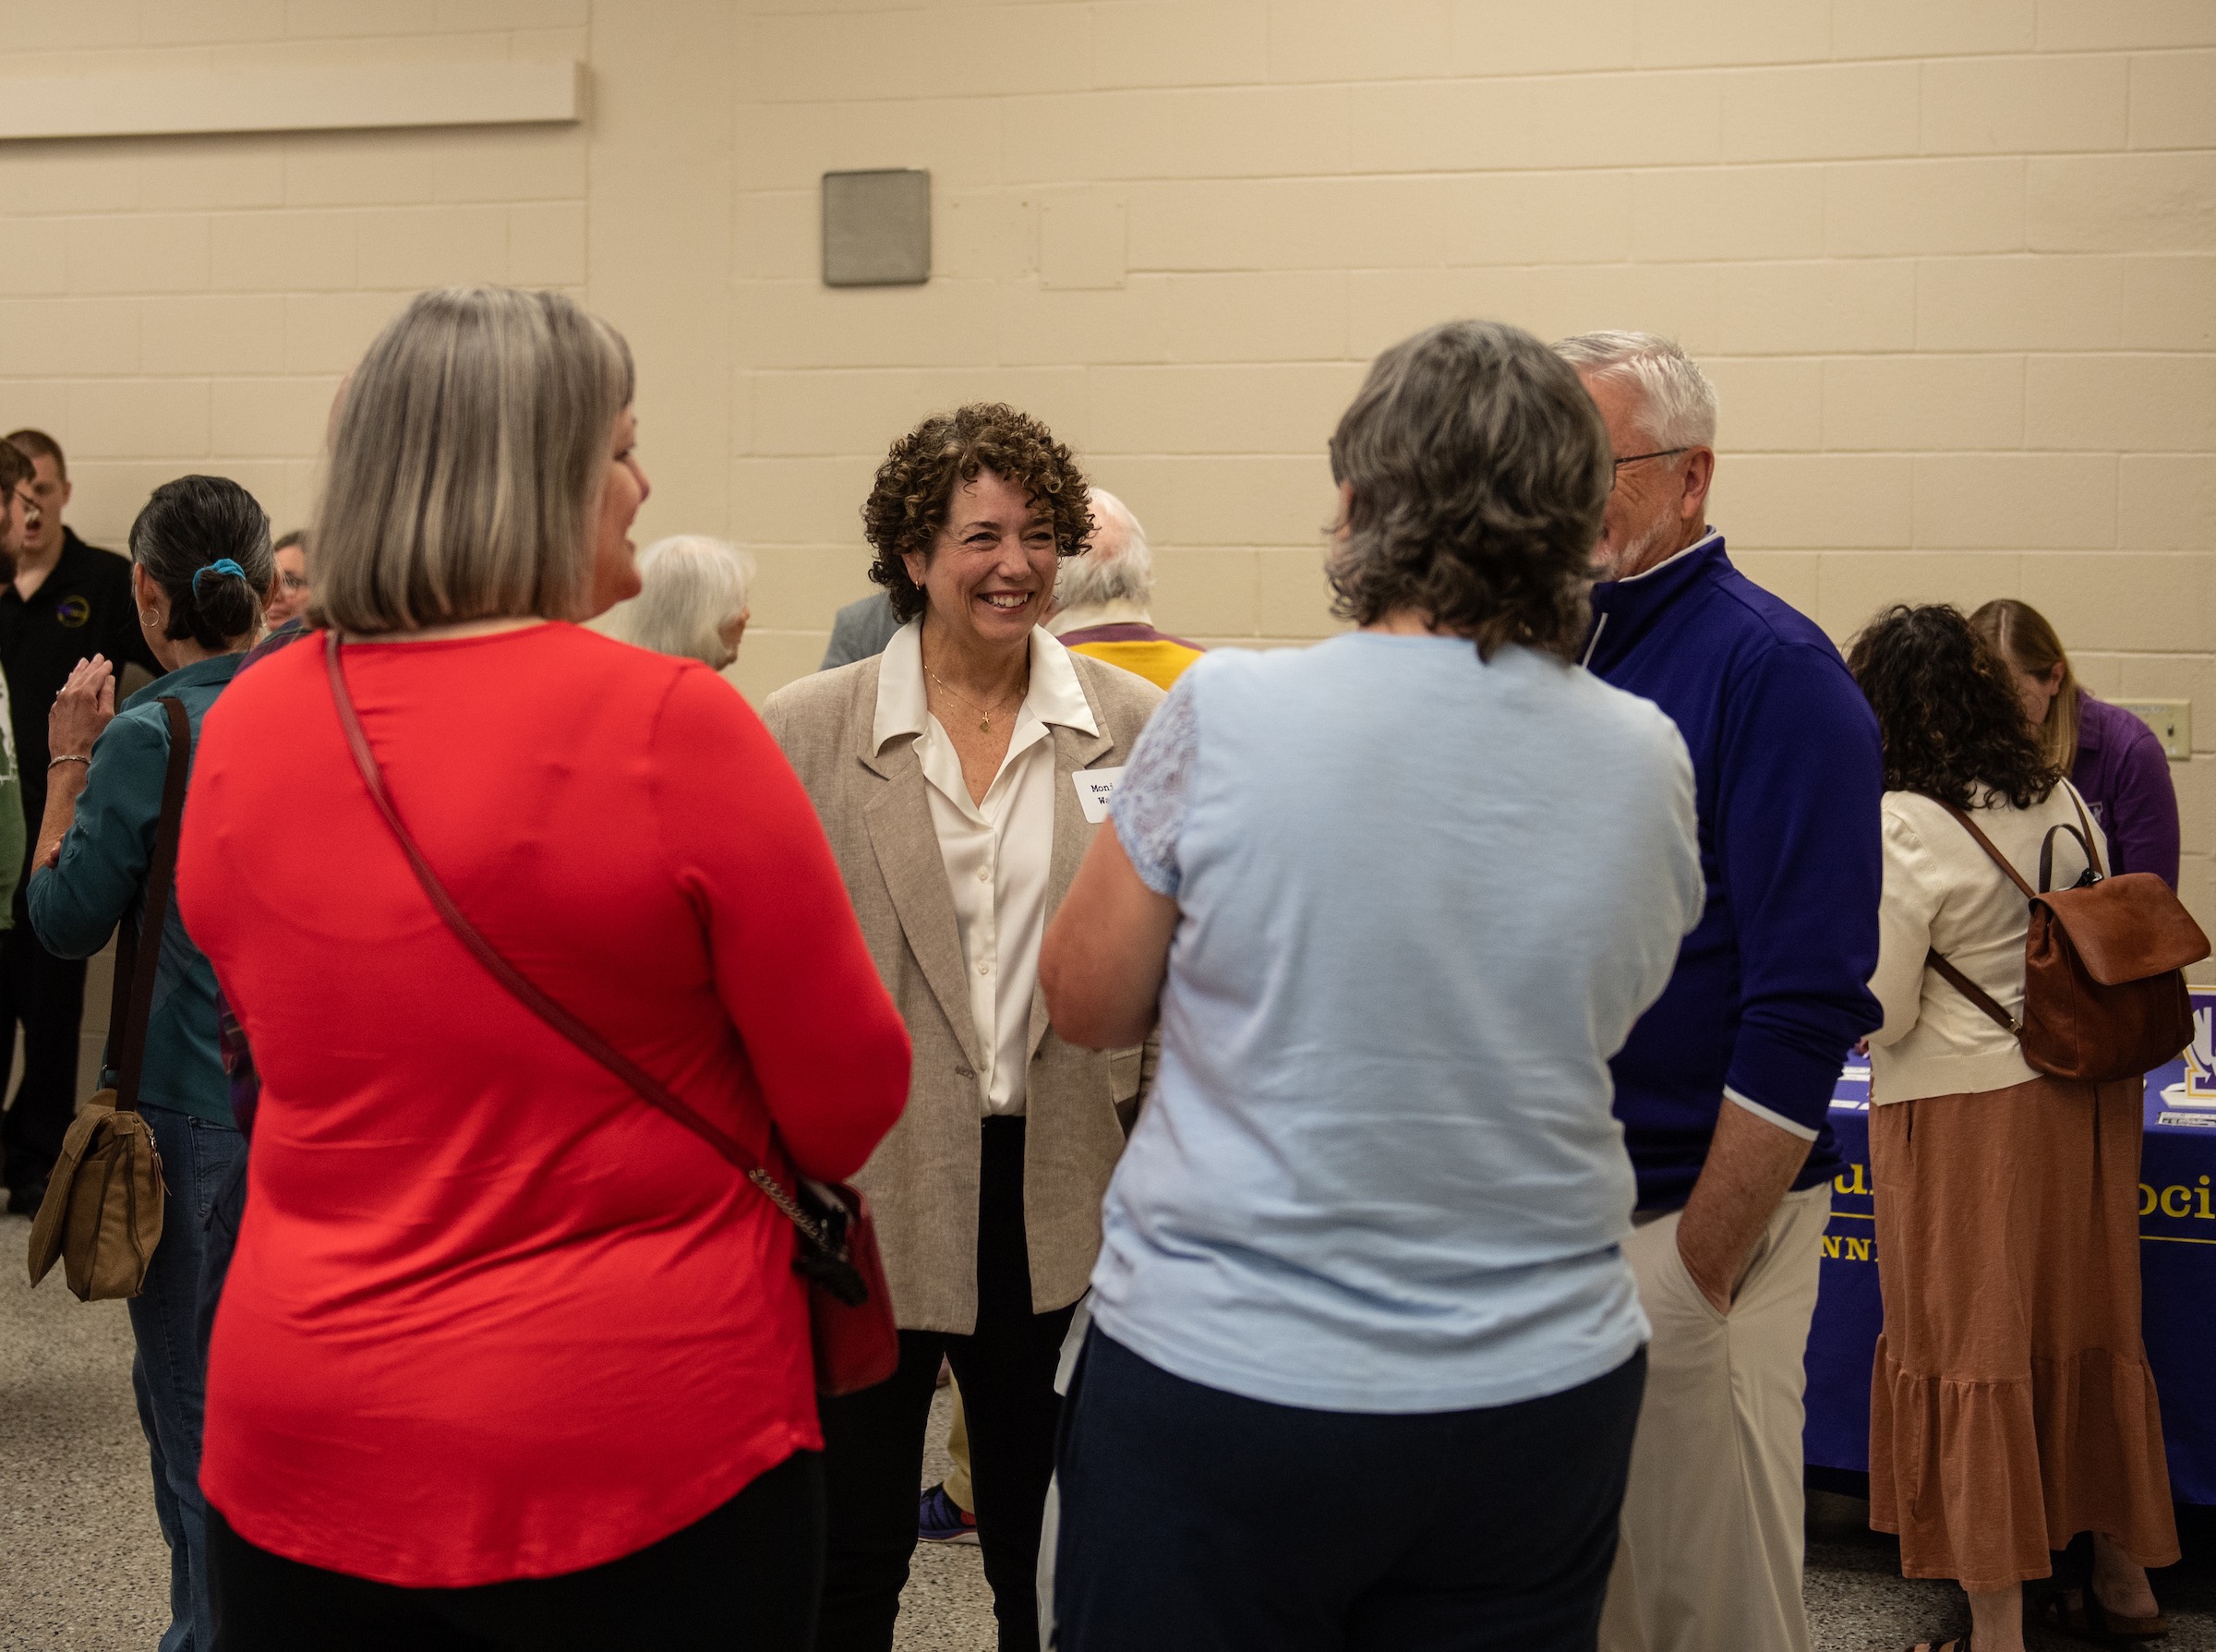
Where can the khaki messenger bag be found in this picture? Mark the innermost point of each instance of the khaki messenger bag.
(102, 1211)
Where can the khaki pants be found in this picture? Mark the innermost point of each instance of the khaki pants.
(1712, 1537)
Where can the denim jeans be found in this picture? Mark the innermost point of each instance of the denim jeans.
(198, 1160)
(219, 1239)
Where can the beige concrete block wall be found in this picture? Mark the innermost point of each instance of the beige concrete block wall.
(191, 303)
(1952, 266)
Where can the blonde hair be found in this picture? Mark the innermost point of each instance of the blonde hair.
(690, 587)
(468, 464)
(2020, 636)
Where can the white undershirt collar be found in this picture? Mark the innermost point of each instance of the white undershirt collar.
(1116, 610)
(903, 705)
(1710, 537)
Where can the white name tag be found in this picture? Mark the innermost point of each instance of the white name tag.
(1095, 788)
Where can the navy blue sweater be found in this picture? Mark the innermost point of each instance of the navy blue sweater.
(1771, 989)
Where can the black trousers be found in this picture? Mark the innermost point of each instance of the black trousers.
(874, 1440)
(46, 995)
(1192, 1519)
(744, 1577)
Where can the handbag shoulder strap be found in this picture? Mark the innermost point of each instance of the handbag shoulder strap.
(642, 1083)
(1985, 843)
(1933, 960)
(138, 957)
(1973, 992)
(2085, 842)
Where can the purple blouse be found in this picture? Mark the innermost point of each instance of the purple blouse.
(2126, 779)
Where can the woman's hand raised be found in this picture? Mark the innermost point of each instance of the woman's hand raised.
(84, 707)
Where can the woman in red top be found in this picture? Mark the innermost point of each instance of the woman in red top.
(507, 1357)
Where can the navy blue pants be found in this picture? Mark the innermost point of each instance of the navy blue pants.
(1192, 1518)
(198, 1159)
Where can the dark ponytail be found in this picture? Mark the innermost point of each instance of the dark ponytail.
(188, 527)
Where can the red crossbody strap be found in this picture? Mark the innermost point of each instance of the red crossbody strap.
(648, 1088)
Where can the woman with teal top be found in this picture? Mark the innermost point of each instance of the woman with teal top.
(201, 566)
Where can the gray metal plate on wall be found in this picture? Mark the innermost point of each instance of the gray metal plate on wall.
(876, 228)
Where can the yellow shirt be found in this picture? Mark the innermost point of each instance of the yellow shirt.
(1161, 661)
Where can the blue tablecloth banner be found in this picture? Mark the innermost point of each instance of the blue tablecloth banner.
(2177, 1271)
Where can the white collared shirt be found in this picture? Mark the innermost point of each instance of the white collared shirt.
(998, 851)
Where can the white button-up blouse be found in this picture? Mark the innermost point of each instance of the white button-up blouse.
(996, 851)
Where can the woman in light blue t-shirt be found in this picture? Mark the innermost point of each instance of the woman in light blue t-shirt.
(1395, 899)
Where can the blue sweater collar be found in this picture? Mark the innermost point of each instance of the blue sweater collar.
(1624, 608)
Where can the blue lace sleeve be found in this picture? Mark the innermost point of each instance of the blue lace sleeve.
(1151, 802)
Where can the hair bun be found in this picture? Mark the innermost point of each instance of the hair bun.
(221, 567)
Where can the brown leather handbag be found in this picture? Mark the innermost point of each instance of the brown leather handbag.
(104, 1202)
(2105, 962)
(856, 1343)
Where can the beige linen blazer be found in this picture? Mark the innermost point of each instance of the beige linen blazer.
(923, 1180)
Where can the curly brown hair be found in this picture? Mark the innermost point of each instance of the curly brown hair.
(1947, 712)
(914, 490)
(1480, 469)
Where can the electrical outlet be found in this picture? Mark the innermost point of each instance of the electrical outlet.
(2172, 721)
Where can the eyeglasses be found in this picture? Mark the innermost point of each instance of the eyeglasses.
(1616, 475)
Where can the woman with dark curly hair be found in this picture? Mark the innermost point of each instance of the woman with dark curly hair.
(2011, 1406)
(959, 775)
(1396, 898)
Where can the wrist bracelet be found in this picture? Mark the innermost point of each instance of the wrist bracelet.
(69, 757)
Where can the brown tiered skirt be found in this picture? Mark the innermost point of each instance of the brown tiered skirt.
(2011, 1407)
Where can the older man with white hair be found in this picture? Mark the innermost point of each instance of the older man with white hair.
(1102, 599)
(1724, 1085)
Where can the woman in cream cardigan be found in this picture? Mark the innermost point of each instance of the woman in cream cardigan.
(958, 776)
(2011, 1406)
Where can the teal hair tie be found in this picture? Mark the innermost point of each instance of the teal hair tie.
(221, 565)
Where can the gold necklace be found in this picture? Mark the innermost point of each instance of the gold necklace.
(984, 715)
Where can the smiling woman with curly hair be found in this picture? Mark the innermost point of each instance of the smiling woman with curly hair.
(915, 489)
(2011, 1407)
(947, 771)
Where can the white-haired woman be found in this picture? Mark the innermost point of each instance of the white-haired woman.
(692, 600)
(507, 1357)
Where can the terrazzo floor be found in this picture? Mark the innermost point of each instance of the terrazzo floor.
(82, 1568)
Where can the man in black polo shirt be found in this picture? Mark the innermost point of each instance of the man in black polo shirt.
(68, 602)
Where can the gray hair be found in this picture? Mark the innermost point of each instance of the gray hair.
(690, 587)
(184, 529)
(1117, 565)
(468, 464)
(1676, 397)
(1479, 469)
